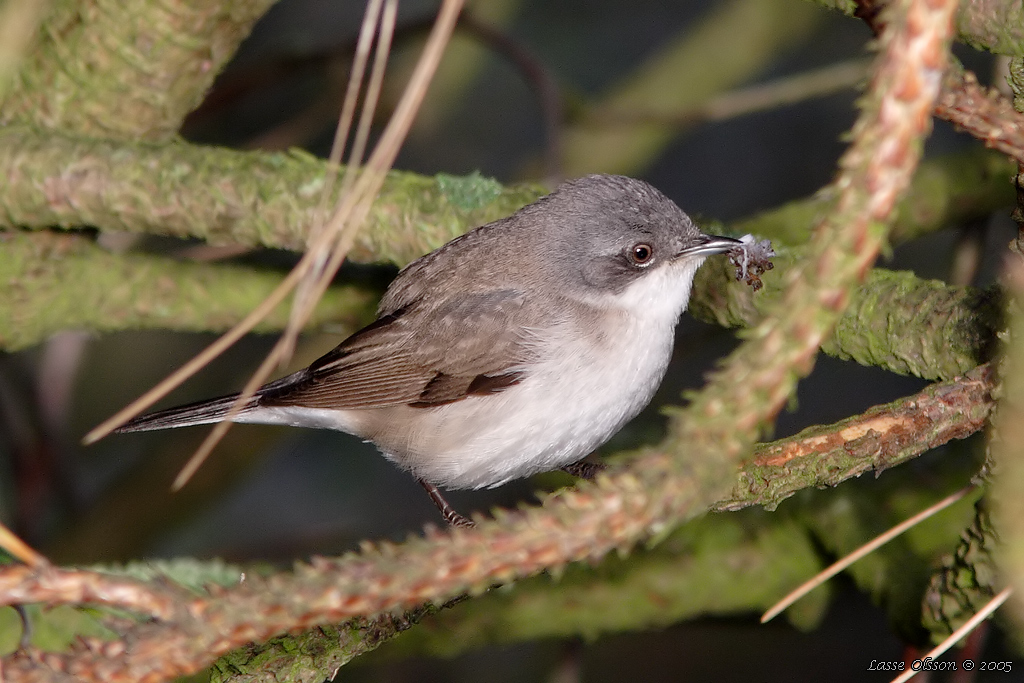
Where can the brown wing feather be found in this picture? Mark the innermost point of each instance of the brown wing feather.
(418, 355)
(450, 388)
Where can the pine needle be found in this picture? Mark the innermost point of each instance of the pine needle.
(860, 552)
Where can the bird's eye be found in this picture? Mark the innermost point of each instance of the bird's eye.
(641, 254)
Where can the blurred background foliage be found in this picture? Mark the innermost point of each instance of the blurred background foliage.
(529, 91)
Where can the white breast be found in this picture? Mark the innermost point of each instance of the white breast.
(573, 400)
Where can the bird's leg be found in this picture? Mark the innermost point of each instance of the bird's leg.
(583, 469)
(447, 511)
(26, 627)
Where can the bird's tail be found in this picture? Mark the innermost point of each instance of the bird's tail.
(199, 413)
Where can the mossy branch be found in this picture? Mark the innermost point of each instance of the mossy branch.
(894, 320)
(880, 438)
(269, 199)
(131, 70)
(51, 282)
(993, 25)
(226, 196)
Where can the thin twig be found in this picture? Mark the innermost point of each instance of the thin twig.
(348, 216)
(866, 549)
(348, 107)
(821, 82)
(19, 23)
(19, 549)
(227, 340)
(197, 363)
(306, 293)
(983, 614)
(367, 186)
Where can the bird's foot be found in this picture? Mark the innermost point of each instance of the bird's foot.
(584, 470)
(447, 511)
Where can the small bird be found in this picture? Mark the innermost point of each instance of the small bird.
(517, 348)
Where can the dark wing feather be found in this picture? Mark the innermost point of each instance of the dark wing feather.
(418, 355)
(445, 388)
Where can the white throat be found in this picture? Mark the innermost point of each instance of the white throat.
(662, 294)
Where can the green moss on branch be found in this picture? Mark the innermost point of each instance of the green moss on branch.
(227, 196)
(895, 320)
(133, 70)
(882, 437)
(993, 25)
(54, 282)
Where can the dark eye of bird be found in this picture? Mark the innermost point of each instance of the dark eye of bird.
(641, 254)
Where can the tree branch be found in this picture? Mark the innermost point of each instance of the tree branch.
(20, 584)
(225, 196)
(51, 282)
(883, 437)
(992, 25)
(105, 68)
(269, 199)
(986, 114)
(719, 564)
(895, 320)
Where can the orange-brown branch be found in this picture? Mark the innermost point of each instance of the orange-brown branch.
(984, 113)
(882, 437)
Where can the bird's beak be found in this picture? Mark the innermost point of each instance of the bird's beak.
(710, 244)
